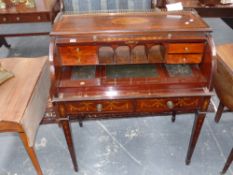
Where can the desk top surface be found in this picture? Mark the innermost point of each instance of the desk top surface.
(42, 6)
(128, 22)
(225, 53)
(16, 92)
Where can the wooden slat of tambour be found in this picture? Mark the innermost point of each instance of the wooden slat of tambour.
(21, 86)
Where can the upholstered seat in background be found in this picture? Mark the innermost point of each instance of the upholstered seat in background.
(93, 5)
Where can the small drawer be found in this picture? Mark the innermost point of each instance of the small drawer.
(186, 48)
(99, 106)
(183, 58)
(78, 55)
(167, 104)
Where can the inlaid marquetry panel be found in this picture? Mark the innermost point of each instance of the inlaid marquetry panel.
(99, 106)
(166, 104)
(78, 55)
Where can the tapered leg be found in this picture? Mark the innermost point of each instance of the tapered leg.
(3, 42)
(219, 112)
(198, 122)
(173, 116)
(228, 162)
(80, 123)
(31, 153)
(67, 131)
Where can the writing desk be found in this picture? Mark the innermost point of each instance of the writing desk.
(130, 64)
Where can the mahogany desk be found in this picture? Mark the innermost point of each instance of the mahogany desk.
(131, 64)
(45, 11)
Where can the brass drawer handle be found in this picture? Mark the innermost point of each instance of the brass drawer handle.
(94, 38)
(99, 107)
(170, 104)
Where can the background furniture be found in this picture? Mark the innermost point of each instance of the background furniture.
(131, 64)
(23, 100)
(223, 78)
(93, 5)
(219, 10)
(45, 11)
(223, 82)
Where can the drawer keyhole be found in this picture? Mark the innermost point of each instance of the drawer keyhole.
(99, 107)
(170, 104)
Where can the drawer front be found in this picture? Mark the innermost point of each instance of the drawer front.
(78, 55)
(21, 18)
(185, 48)
(183, 58)
(167, 104)
(99, 106)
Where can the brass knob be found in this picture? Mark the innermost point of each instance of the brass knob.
(184, 59)
(39, 18)
(170, 104)
(186, 49)
(4, 19)
(17, 18)
(94, 38)
(99, 107)
(169, 35)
